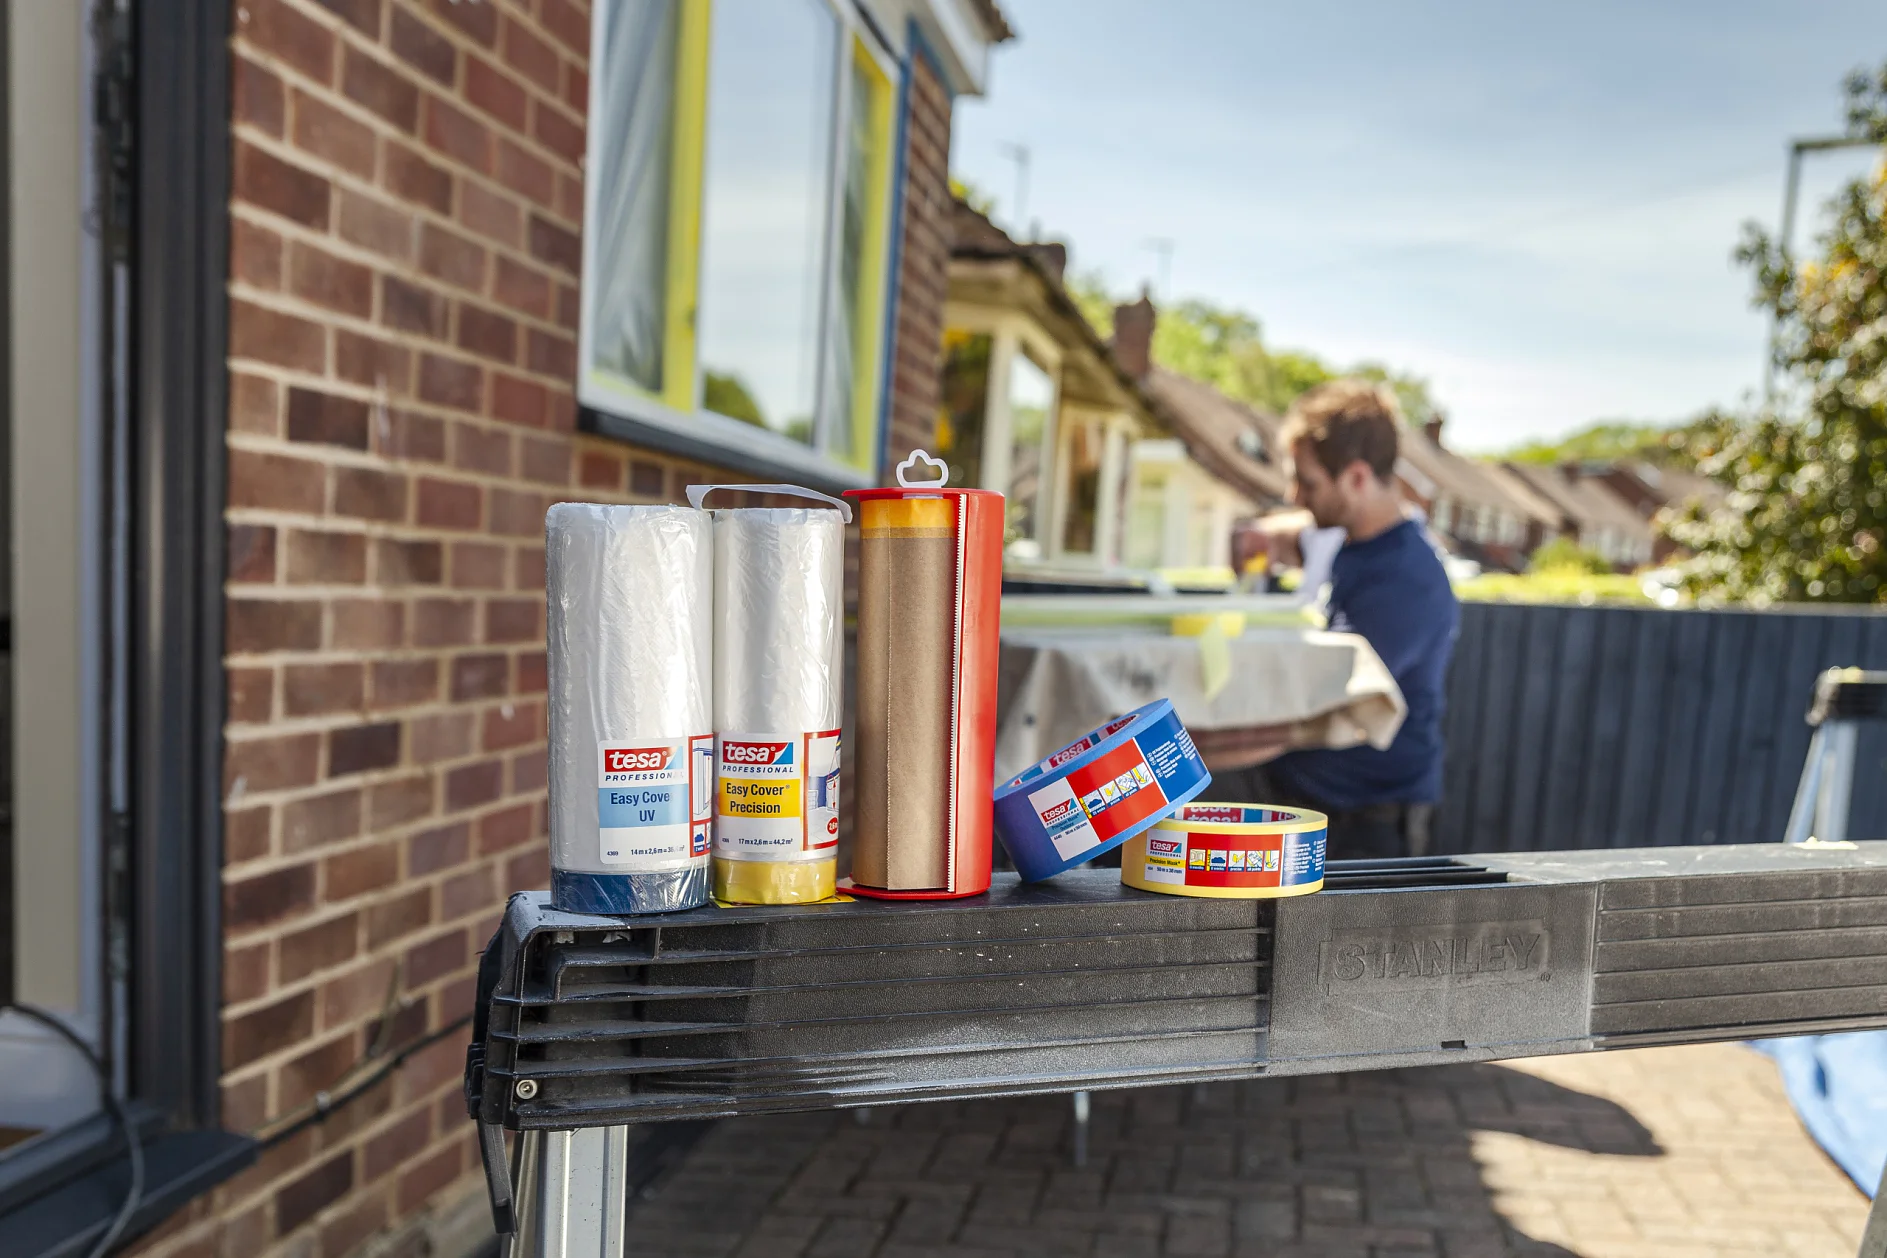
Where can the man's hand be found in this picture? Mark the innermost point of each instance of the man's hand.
(1270, 541)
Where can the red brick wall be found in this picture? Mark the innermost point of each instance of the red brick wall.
(406, 211)
(923, 267)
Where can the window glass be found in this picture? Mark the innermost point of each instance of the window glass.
(853, 340)
(1084, 488)
(1031, 401)
(633, 168)
(772, 87)
(965, 402)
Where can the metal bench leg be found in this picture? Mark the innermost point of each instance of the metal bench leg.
(1837, 781)
(1874, 1238)
(1081, 1129)
(572, 1194)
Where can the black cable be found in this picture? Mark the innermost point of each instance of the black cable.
(323, 1105)
(134, 1193)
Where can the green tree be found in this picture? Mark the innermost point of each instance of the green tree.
(1807, 513)
(1608, 440)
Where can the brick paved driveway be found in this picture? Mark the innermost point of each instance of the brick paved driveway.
(1678, 1151)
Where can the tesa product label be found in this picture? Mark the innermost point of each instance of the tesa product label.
(654, 802)
(777, 796)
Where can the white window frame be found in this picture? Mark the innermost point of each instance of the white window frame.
(702, 433)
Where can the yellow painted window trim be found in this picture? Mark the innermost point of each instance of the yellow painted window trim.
(868, 354)
(688, 149)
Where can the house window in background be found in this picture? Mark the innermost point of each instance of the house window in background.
(737, 235)
(964, 407)
(1031, 410)
(1085, 441)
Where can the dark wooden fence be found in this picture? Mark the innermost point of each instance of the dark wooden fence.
(1591, 727)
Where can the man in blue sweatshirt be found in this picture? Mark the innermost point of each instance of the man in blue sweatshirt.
(1388, 585)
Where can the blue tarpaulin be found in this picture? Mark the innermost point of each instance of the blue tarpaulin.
(1838, 1085)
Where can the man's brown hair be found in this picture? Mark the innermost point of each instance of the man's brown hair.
(1347, 420)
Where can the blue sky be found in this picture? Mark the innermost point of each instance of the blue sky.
(1531, 205)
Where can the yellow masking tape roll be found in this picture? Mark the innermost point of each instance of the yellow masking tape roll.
(1229, 852)
(775, 882)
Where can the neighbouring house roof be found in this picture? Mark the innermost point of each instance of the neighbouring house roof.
(1673, 486)
(995, 23)
(1467, 482)
(1234, 442)
(1583, 501)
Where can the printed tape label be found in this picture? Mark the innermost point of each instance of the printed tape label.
(654, 803)
(778, 796)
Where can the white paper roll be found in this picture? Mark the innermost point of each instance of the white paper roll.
(778, 655)
(630, 633)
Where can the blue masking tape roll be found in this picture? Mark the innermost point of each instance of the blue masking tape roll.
(1098, 791)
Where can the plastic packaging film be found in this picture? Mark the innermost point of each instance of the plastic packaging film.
(778, 660)
(631, 719)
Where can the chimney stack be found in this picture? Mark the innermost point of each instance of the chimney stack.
(1051, 256)
(1432, 428)
(1133, 336)
(1572, 470)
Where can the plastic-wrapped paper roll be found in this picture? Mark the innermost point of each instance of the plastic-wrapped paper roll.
(778, 656)
(630, 592)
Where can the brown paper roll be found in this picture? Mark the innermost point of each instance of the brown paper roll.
(906, 650)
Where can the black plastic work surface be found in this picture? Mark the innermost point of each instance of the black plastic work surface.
(1083, 983)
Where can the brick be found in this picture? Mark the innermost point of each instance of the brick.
(325, 419)
(325, 132)
(347, 1231)
(245, 1105)
(496, 93)
(362, 15)
(512, 725)
(448, 504)
(359, 870)
(412, 436)
(265, 899)
(433, 850)
(570, 306)
(568, 23)
(255, 254)
(397, 562)
(365, 624)
(267, 182)
(318, 820)
(446, 736)
(490, 214)
(524, 172)
(436, 958)
(486, 334)
(514, 620)
(451, 131)
(249, 550)
(545, 460)
(398, 683)
(363, 748)
(423, 48)
(257, 626)
(246, 834)
(560, 135)
(355, 994)
(576, 91)
(379, 88)
(372, 363)
(369, 494)
(307, 1195)
(517, 514)
(245, 973)
(530, 771)
(393, 804)
(520, 287)
(431, 1175)
(269, 336)
(569, 203)
(531, 56)
(259, 100)
(411, 177)
(448, 256)
(481, 449)
(396, 1143)
(321, 946)
(397, 918)
(450, 382)
(471, 785)
(557, 246)
(318, 689)
(249, 695)
(645, 479)
(531, 664)
(411, 307)
(504, 829)
(253, 404)
(326, 558)
(442, 622)
(267, 1030)
(477, 566)
(519, 401)
(596, 470)
(375, 225)
(283, 31)
(317, 276)
(276, 481)
(529, 870)
(479, 676)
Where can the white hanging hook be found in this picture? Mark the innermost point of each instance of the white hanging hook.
(921, 459)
